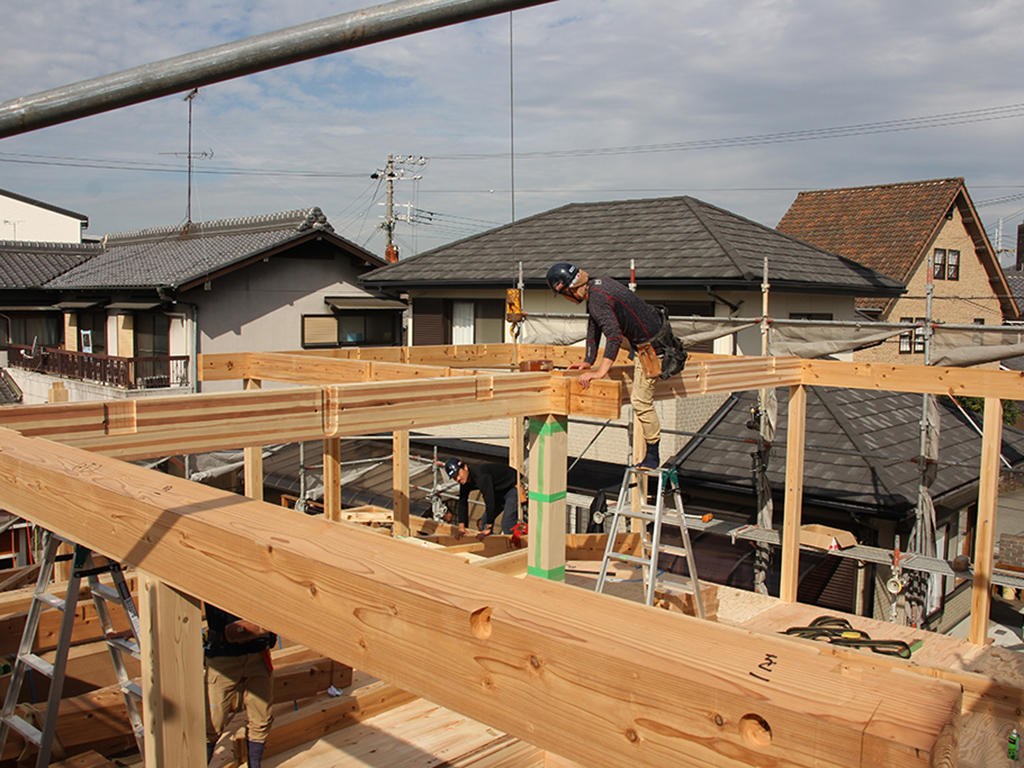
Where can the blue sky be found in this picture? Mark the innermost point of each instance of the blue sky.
(729, 102)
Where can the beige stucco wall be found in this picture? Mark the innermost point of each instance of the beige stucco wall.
(957, 302)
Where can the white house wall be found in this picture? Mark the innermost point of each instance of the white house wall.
(26, 222)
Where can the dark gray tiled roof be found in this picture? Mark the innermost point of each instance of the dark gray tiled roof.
(883, 425)
(31, 265)
(173, 256)
(676, 242)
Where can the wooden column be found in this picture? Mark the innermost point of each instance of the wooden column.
(254, 459)
(174, 710)
(988, 498)
(400, 481)
(795, 442)
(549, 446)
(332, 478)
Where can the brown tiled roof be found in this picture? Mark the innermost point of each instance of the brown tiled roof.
(887, 228)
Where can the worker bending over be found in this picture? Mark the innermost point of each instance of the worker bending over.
(497, 485)
(618, 313)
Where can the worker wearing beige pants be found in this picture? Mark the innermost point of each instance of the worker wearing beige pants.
(238, 663)
(641, 397)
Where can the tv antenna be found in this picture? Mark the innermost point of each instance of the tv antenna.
(190, 97)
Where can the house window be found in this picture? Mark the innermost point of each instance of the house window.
(351, 328)
(946, 264)
(912, 341)
(447, 321)
(953, 265)
(39, 329)
(810, 315)
(152, 334)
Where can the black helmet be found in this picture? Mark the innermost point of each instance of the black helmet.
(452, 467)
(561, 276)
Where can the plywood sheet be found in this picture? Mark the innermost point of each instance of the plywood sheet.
(417, 734)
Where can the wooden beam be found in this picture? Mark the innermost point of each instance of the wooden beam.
(400, 481)
(596, 678)
(988, 502)
(789, 573)
(962, 382)
(332, 478)
(172, 425)
(548, 460)
(253, 456)
(172, 675)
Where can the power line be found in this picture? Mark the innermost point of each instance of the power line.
(812, 134)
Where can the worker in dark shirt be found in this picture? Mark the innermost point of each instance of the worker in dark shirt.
(238, 661)
(497, 485)
(618, 313)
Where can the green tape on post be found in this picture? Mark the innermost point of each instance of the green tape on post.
(551, 574)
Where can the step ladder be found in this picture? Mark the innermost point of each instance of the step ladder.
(118, 645)
(654, 517)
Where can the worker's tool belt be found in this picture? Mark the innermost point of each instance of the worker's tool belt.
(662, 356)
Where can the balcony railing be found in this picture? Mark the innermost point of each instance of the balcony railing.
(123, 372)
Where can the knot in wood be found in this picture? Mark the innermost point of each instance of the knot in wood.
(632, 736)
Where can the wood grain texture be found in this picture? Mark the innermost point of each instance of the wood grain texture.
(524, 652)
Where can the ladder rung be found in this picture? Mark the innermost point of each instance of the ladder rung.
(124, 645)
(629, 558)
(25, 728)
(132, 689)
(640, 514)
(52, 600)
(39, 664)
(668, 549)
(107, 593)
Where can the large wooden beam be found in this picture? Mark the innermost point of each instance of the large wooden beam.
(166, 426)
(966, 382)
(988, 504)
(598, 679)
(796, 438)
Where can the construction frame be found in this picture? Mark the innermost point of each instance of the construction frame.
(595, 679)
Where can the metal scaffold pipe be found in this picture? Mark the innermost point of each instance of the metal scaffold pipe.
(243, 57)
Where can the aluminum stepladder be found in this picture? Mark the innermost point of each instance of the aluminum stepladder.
(654, 516)
(82, 566)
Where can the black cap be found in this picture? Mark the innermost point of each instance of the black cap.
(452, 467)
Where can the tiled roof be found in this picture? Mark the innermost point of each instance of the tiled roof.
(676, 242)
(883, 425)
(173, 256)
(1015, 280)
(887, 227)
(31, 265)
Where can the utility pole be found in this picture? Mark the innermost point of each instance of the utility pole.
(395, 168)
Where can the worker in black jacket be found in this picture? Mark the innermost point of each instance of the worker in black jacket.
(497, 485)
(618, 313)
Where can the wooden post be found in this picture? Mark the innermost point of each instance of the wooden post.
(988, 497)
(254, 459)
(548, 451)
(795, 442)
(400, 481)
(171, 643)
(332, 478)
